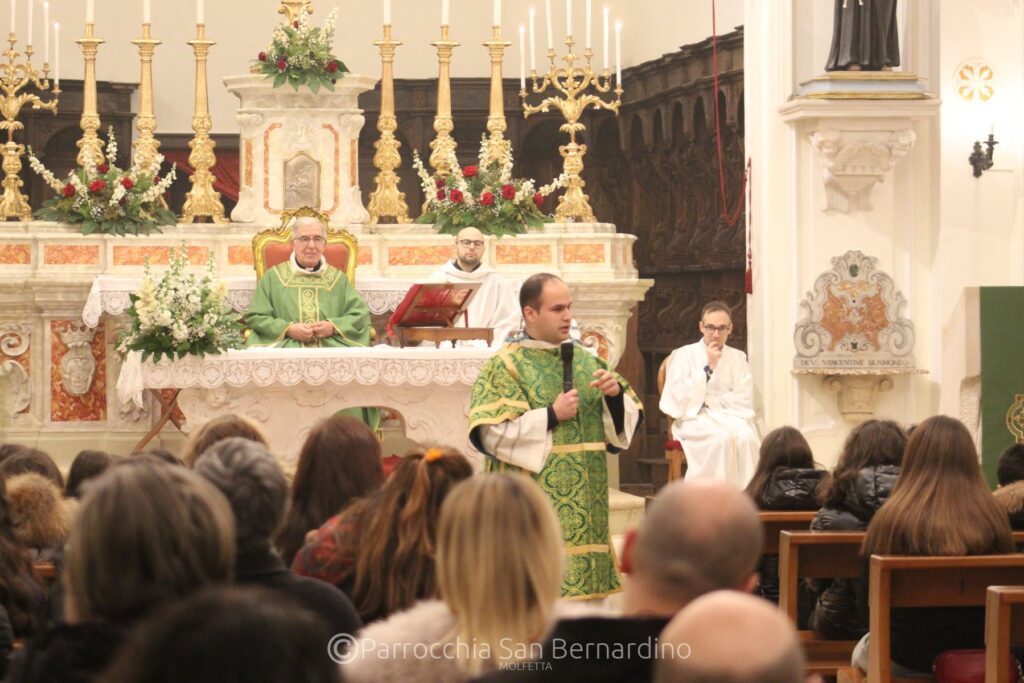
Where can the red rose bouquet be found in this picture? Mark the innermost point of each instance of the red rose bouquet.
(300, 54)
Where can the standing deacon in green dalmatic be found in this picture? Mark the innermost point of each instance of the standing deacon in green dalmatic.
(305, 302)
(523, 417)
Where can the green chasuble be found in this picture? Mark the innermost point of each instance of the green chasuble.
(285, 296)
(525, 375)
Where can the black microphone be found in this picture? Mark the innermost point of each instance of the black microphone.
(708, 372)
(567, 352)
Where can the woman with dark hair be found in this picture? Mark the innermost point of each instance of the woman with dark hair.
(381, 550)
(86, 465)
(32, 460)
(940, 505)
(785, 479)
(22, 601)
(860, 483)
(339, 463)
(223, 427)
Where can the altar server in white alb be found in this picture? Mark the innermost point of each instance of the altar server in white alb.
(496, 303)
(709, 395)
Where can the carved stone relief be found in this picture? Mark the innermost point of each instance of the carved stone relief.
(14, 380)
(78, 366)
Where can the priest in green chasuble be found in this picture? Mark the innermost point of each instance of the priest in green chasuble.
(305, 302)
(523, 418)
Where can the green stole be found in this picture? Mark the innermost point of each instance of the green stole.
(575, 475)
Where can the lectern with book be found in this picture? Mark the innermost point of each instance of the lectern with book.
(429, 312)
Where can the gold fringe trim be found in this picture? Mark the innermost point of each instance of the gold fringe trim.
(501, 402)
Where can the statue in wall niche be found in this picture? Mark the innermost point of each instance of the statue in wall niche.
(864, 36)
(78, 366)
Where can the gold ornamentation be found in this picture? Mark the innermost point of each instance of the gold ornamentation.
(145, 146)
(443, 146)
(572, 82)
(14, 76)
(293, 9)
(496, 117)
(90, 147)
(202, 199)
(1015, 419)
(386, 200)
(283, 235)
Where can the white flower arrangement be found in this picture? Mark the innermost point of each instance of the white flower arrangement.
(181, 315)
(300, 54)
(485, 196)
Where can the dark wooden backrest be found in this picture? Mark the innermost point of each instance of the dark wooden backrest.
(1004, 628)
(900, 581)
(815, 555)
(777, 522)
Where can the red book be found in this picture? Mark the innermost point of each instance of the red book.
(432, 304)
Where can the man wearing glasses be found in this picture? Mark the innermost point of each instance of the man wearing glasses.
(305, 302)
(496, 303)
(709, 395)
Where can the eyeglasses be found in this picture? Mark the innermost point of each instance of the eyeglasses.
(314, 239)
(720, 329)
(471, 243)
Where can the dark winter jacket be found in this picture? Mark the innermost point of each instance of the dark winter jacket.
(835, 615)
(67, 653)
(1011, 499)
(790, 488)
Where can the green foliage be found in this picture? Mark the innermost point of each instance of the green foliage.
(300, 55)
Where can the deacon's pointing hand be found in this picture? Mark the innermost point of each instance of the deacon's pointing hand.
(606, 382)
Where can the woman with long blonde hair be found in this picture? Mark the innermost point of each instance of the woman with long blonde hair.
(940, 505)
(499, 572)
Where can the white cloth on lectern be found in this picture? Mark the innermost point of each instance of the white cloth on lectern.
(712, 418)
(495, 304)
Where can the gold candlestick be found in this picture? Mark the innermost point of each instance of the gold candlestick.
(90, 147)
(293, 9)
(386, 200)
(202, 199)
(14, 76)
(443, 146)
(572, 82)
(145, 146)
(496, 125)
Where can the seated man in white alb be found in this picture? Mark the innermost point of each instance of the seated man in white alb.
(709, 395)
(496, 303)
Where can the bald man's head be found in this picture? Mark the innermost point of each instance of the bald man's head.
(730, 637)
(469, 248)
(696, 537)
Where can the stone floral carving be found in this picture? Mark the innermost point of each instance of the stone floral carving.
(78, 366)
(854, 161)
(15, 389)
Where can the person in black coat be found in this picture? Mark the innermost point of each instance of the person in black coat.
(785, 479)
(1010, 494)
(252, 480)
(861, 482)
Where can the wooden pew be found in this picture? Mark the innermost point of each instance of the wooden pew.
(901, 581)
(777, 522)
(1004, 628)
(818, 555)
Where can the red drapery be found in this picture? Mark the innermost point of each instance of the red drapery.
(225, 170)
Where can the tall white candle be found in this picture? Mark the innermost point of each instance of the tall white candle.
(90, 12)
(200, 12)
(445, 10)
(31, 8)
(522, 58)
(605, 51)
(618, 53)
(568, 17)
(387, 12)
(145, 12)
(588, 24)
(497, 13)
(56, 54)
(533, 45)
(13, 7)
(46, 32)
(547, 18)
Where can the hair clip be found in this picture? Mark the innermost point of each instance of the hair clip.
(433, 454)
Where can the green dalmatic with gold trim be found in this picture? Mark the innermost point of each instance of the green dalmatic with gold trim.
(520, 378)
(285, 296)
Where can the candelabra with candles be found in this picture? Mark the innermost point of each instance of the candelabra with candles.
(202, 199)
(90, 147)
(496, 125)
(386, 200)
(146, 145)
(14, 76)
(580, 87)
(442, 147)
